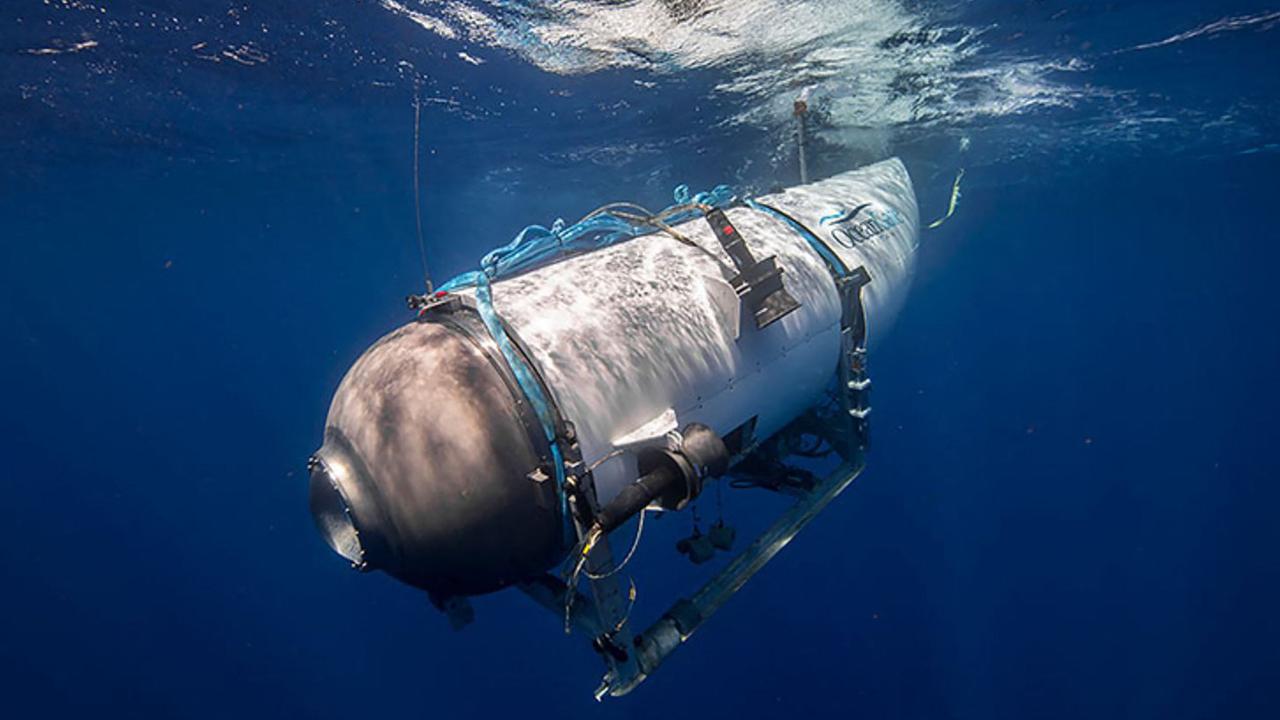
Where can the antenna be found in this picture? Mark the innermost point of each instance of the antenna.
(801, 111)
(417, 180)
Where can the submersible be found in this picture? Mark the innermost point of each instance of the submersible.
(588, 373)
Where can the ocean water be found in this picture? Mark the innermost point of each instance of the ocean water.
(1070, 508)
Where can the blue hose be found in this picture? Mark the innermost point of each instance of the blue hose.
(537, 246)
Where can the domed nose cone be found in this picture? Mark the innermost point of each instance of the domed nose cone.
(426, 468)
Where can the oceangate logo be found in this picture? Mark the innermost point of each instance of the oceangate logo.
(851, 227)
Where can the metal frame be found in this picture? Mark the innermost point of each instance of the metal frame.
(604, 616)
(599, 615)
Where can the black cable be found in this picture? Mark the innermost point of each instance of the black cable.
(417, 192)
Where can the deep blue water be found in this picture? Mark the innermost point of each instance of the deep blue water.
(1071, 505)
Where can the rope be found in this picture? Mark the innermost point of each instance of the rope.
(417, 193)
(536, 246)
(581, 554)
(607, 225)
(635, 543)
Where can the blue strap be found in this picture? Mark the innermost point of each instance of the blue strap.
(837, 267)
(536, 246)
(524, 376)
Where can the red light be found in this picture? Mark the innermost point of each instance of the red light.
(728, 229)
(441, 293)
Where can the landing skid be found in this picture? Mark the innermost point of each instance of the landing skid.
(604, 615)
(631, 663)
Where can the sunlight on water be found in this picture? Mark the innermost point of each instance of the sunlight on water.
(869, 64)
(880, 72)
(881, 76)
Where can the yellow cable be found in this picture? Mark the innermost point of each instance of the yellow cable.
(592, 538)
(955, 200)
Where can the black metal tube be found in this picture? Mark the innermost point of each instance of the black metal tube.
(636, 496)
(801, 111)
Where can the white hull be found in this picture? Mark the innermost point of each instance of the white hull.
(644, 337)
